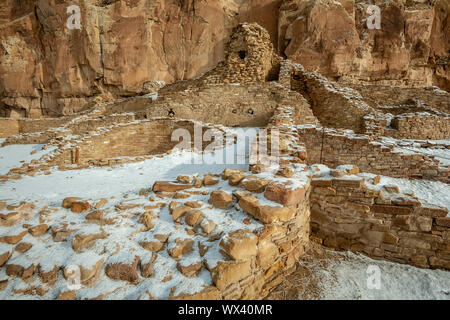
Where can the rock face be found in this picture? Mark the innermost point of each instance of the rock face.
(124, 47)
(129, 47)
(332, 37)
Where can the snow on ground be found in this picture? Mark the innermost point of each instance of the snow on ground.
(119, 184)
(12, 155)
(347, 277)
(107, 182)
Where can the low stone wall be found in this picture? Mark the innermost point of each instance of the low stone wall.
(377, 95)
(251, 105)
(409, 126)
(8, 127)
(333, 149)
(149, 137)
(334, 106)
(420, 126)
(258, 263)
(383, 224)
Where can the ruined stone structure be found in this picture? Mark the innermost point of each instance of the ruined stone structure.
(335, 140)
(127, 47)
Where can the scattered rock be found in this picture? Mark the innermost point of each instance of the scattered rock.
(286, 172)
(85, 241)
(22, 247)
(10, 219)
(185, 179)
(13, 239)
(38, 230)
(80, 206)
(194, 204)
(67, 202)
(255, 184)
(124, 271)
(49, 277)
(89, 277)
(180, 195)
(228, 172)
(4, 257)
(208, 226)
(193, 217)
(147, 219)
(3, 284)
(67, 295)
(165, 186)
(181, 247)
(152, 246)
(147, 268)
(178, 212)
(101, 203)
(95, 217)
(210, 180)
(221, 199)
(61, 234)
(14, 270)
(235, 179)
(191, 270)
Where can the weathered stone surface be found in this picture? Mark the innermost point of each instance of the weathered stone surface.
(266, 214)
(166, 186)
(38, 230)
(124, 271)
(153, 246)
(67, 295)
(80, 206)
(229, 272)
(193, 217)
(191, 270)
(284, 195)
(13, 239)
(67, 202)
(178, 212)
(147, 267)
(85, 241)
(210, 180)
(221, 199)
(255, 185)
(22, 247)
(181, 247)
(4, 257)
(240, 244)
(235, 179)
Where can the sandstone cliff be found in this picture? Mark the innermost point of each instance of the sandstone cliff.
(331, 37)
(129, 47)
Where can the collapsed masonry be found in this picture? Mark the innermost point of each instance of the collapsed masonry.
(245, 228)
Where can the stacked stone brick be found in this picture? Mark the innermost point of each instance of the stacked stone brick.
(348, 214)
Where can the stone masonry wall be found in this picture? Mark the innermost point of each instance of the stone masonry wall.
(147, 137)
(8, 127)
(377, 96)
(231, 105)
(422, 126)
(333, 149)
(333, 105)
(383, 224)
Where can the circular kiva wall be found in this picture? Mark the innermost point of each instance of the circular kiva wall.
(148, 137)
